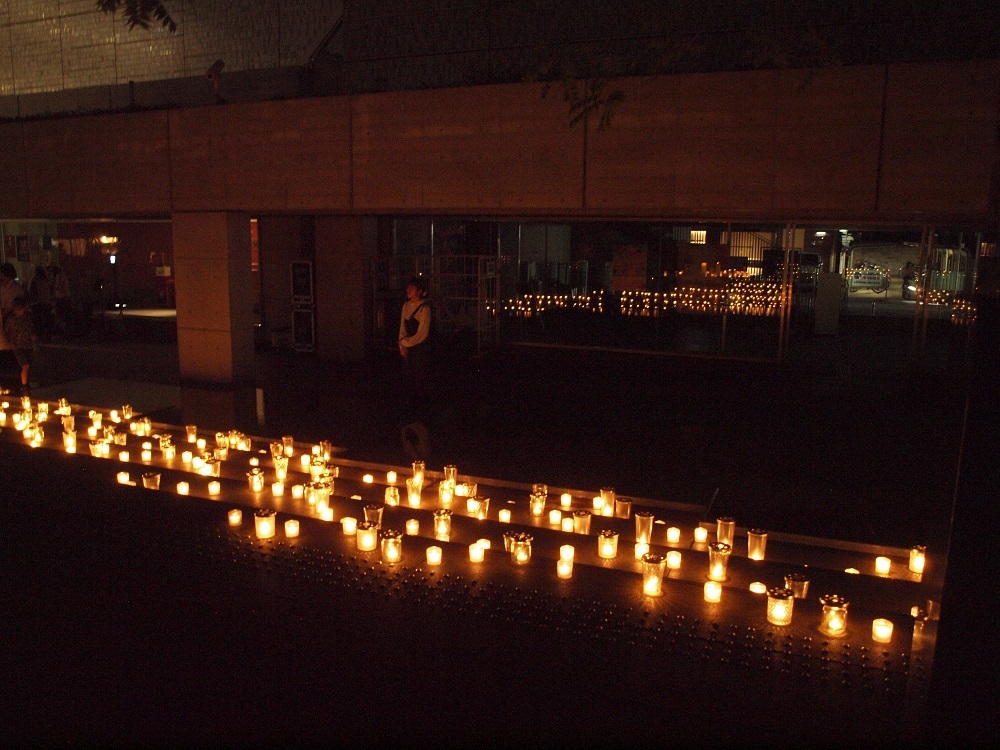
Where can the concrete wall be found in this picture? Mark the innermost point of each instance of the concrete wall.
(763, 146)
(340, 291)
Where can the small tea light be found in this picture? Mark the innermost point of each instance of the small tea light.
(368, 479)
(183, 488)
(674, 560)
(567, 552)
(852, 571)
(713, 592)
(304, 460)
(434, 554)
(641, 548)
(607, 544)
(367, 536)
(608, 510)
(555, 517)
(392, 546)
(123, 477)
(326, 514)
(413, 527)
(652, 574)
(291, 528)
(264, 523)
(565, 501)
(146, 445)
(462, 490)
(472, 505)
(881, 630)
(298, 491)
(235, 517)
(918, 555)
(673, 535)
(446, 493)
(69, 442)
(484, 543)
(200, 444)
(564, 568)
(113, 416)
(169, 452)
(191, 432)
(566, 524)
(390, 477)
(392, 496)
(349, 525)
(833, 621)
(413, 493)
(598, 503)
(123, 456)
(476, 553)
(503, 515)
(700, 534)
(883, 565)
(277, 489)
(187, 457)
(758, 588)
(756, 544)
(536, 504)
(718, 560)
(780, 604)
(214, 488)
(520, 549)
(442, 522)
(255, 480)
(92, 432)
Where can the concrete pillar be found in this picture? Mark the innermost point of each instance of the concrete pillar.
(215, 342)
(281, 239)
(341, 287)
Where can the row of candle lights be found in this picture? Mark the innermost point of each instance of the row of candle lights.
(519, 545)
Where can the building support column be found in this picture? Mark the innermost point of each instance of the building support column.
(341, 286)
(214, 290)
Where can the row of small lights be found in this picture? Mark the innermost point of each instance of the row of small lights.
(317, 492)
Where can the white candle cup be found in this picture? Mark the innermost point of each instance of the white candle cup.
(390, 477)
(367, 536)
(883, 565)
(566, 524)
(187, 457)
(536, 504)
(565, 501)
(418, 474)
(756, 544)
(392, 496)
(652, 573)
(255, 480)
(69, 442)
(641, 548)
(833, 620)
(673, 535)
(287, 444)
(564, 568)
(725, 530)
(622, 507)
(123, 477)
(484, 543)
(326, 514)
(918, 556)
(476, 553)
(214, 488)
(277, 489)
(713, 592)
(567, 552)
(644, 526)
(373, 513)
(123, 456)
(191, 432)
(235, 517)
(298, 491)
(555, 517)
(413, 492)
(479, 507)
(368, 479)
(446, 493)
(349, 525)
(503, 515)
(450, 472)
(200, 444)
(700, 534)
(607, 544)
(183, 488)
(151, 480)
(305, 460)
(434, 554)
(146, 456)
(520, 549)
(412, 527)
(291, 528)
(264, 523)
(674, 560)
(757, 587)
(780, 603)
(442, 522)
(881, 630)
(581, 521)
(798, 583)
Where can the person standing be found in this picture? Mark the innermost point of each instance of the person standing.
(415, 349)
(20, 334)
(10, 290)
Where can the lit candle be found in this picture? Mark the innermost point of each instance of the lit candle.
(235, 517)
(598, 504)
(758, 588)
(564, 568)
(123, 477)
(472, 505)
(641, 548)
(434, 555)
(565, 500)
(214, 488)
(484, 543)
(390, 477)
(673, 535)
(187, 457)
(278, 489)
(413, 493)
(350, 525)
(555, 516)
(476, 553)
(883, 565)
(520, 549)
(780, 602)
(263, 521)
(674, 559)
(446, 493)
(852, 571)
(567, 552)
(833, 621)
(305, 459)
(881, 630)
(183, 488)
(503, 515)
(756, 544)
(192, 432)
(291, 528)
(566, 524)
(367, 536)
(368, 479)
(608, 510)
(713, 592)
(607, 544)
(200, 444)
(123, 456)
(700, 534)
(442, 522)
(392, 496)
(298, 491)
(326, 513)
(718, 560)
(92, 432)
(652, 574)
(69, 442)
(392, 546)
(413, 527)
(918, 556)
(536, 504)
